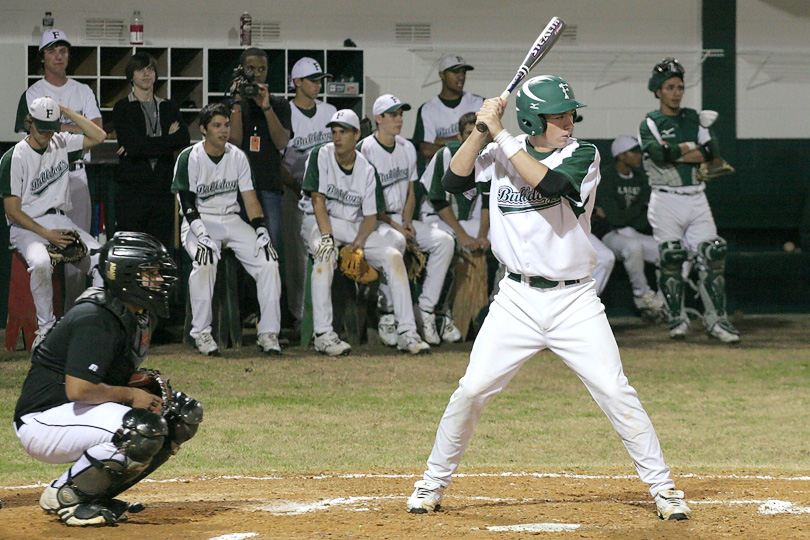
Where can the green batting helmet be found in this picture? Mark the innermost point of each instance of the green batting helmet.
(663, 71)
(546, 94)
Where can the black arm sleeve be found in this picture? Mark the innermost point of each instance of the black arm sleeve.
(188, 202)
(554, 185)
(453, 183)
(485, 201)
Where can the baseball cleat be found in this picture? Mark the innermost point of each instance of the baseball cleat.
(722, 331)
(122, 509)
(426, 497)
(268, 343)
(429, 330)
(669, 504)
(387, 329)
(450, 332)
(86, 515)
(48, 500)
(206, 345)
(330, 344)
(409, 341)
(680, 330)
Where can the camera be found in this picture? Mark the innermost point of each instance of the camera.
(244, 83)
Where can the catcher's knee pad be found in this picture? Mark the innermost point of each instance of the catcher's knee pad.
(712, 281)
(141, 435)
(183, 416)
(712, 254)
(670, 280)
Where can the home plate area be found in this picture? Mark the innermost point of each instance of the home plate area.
(477, 505)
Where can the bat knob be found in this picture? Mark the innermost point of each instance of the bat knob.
(482, 127)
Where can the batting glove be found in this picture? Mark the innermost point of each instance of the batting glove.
(326, 248)
(263, 243)
(207, 251)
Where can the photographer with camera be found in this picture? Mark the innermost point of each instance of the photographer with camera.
(261, 126)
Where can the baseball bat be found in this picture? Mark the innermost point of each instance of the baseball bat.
(544, 42)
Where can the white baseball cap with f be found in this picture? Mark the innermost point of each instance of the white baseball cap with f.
(49, 37)
(46, 114)
(453, 61)
(345, 118)
(308, 68)
(387, 103)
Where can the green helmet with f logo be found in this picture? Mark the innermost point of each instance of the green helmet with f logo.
(545, 94)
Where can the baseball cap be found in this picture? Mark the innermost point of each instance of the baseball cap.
(388, 103)
(346, 118)
(452, 61)
(622, 144)
(308, 68)
(46, 114)
(49, 37)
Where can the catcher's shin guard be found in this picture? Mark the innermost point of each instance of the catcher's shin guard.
(712, 281)
(670, 279)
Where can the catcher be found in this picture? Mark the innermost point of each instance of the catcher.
(681, 152)
(84, 400)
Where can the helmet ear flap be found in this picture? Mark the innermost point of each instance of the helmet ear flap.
(543, 125)
(532, 128)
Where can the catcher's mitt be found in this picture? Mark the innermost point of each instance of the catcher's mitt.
(73, 252)
(355, 267)
(415, 261)
(714, 169)
(153, 382)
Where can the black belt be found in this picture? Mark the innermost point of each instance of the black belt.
(539, 282)
(676, 192)
(19, 423)
(54, 211)
(76, 165)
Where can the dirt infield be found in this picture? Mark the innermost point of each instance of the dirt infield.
(497, 506)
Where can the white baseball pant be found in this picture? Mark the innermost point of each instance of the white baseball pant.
(633, 249)
(230, 231)
(378, 252)
(570, 321)
(686, 217)
(605, 261)
(34, 250)
(433, 241)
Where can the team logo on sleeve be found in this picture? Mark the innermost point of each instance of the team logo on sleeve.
(525, 199)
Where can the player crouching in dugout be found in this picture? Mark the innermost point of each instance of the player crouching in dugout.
(208, 176)
(85, 401)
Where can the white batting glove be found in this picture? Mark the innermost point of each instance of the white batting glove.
(207, 251)
(326, 248)
(263, 243)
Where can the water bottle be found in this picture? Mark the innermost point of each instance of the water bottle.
(136, 29)
(245, 29)
(47, 22)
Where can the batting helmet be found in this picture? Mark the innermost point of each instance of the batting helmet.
(546, 94)
(664, 70)
(121, 263)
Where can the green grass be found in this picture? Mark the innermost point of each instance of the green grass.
(716, 409)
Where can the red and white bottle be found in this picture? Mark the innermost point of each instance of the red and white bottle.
(136, 28)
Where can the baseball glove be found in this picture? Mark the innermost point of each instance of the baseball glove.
(73, 252)
(153, 382)
(714, 169)
(415, 261)
(354, 266)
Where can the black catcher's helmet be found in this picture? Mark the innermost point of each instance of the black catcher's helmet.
(125, 263)
(663, 71)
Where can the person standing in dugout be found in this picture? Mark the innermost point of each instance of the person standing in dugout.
(207, 177)
(675, 143)
(395, 160)
(76, 404)
(543, 185)
(342, 185)
(35, 185)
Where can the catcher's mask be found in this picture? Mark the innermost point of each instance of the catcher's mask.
(546, 94)
(663, 71)
(137, 268)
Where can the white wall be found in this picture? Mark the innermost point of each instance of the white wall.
(608, 65)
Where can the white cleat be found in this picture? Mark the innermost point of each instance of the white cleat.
(206, 345)
(268, 343)
(48, 500)
(429, 330)
(330, 344)
(450, 332)
(669, 504)
(409, 341)
(720, 332)
(679, 331)
(387, 329)
(426, 497)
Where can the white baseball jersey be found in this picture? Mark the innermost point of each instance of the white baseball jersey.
(308, 132)
(350, 195)
(40, 179)
(531, 234)
(396, 169)
(441, 121)
(215, 180)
